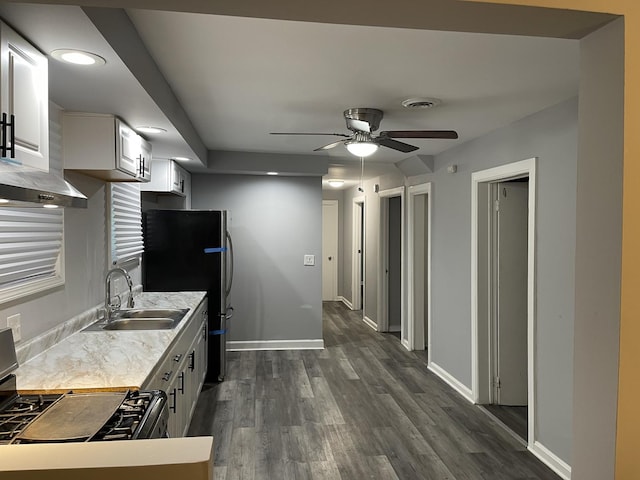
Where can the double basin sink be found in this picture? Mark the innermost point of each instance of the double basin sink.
(141, 319)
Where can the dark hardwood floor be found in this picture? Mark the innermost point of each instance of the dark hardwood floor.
(362, 408)
(514, 418)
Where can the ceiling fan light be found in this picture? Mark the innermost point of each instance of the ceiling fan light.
(336, 183)
(362, 149)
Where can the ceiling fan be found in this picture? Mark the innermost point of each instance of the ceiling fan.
(362, 143)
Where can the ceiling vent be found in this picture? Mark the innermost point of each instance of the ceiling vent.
(421, 102)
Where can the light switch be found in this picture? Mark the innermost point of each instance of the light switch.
(310, 260)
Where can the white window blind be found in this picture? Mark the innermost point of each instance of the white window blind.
(31, 249)
(125, 225)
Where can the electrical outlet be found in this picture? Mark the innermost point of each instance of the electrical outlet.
(309, 260)
(13, 322)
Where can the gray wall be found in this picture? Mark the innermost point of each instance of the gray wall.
(598, 253)
(550, 135)
(275, 221)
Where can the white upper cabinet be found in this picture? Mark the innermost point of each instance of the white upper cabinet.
(103, 146)
(24, 93)
(168, 177)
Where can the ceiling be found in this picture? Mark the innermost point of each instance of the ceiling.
(220, 84)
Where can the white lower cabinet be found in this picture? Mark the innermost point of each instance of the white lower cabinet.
(182, 371)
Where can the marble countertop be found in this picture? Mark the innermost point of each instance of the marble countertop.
(106, 360)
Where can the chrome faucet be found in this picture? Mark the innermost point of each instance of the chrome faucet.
(111, 308)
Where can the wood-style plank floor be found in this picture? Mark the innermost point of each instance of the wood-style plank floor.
(362, 408)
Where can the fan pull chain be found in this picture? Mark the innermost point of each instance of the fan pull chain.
(361, 187)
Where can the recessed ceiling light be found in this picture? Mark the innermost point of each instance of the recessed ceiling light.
(148, 129)
(336, 183)
(78, 57)
(272, 173)
(181, 159)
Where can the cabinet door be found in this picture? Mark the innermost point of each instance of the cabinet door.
(177, 178)
(24, 93)
(145, 160)
(129, 156)
(187, 191)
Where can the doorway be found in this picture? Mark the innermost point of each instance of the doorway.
(358, 255)
(391, 271)
(508, 302)
(329, 250)
(419, 269)
(503, 234)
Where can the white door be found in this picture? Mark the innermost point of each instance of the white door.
(511, 268)
(329, 250)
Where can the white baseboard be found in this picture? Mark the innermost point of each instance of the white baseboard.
(405, 344)
(346, 302)
(550, 459)
(452, 381)
(276, 345)
(370, 322)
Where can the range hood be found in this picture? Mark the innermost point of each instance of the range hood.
(22, 186)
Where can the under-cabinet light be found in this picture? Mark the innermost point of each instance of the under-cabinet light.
(149, 129)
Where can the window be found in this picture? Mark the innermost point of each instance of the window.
(125, 222)
(31, 251)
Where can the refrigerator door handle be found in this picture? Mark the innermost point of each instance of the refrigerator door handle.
(229, 313)
(230, 250)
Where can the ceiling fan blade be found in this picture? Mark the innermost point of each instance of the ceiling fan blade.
(331, 145)
(359, 125)
(308, 133)
(394, 144)
(447, 134)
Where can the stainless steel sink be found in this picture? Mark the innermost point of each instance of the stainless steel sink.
(141, 319)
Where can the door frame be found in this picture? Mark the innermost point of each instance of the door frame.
(358, 235)
(415, 342)
(481, 374)
(383, 284)
(334, 204)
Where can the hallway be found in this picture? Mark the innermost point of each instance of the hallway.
(363, 407)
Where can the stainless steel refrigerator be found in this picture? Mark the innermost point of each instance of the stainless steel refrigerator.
(191, 250)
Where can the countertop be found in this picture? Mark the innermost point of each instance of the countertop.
(106, 360)
(160, 459)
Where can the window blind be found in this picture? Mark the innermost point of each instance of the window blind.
(125, 222)
(30, 250)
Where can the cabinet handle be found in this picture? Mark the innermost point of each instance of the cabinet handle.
(12, 124)
(167, 375)
(3, 145)
(192, 361)
(173, 395)
(177, 358)
(182, 186)
(204, 332)
(181, 387)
